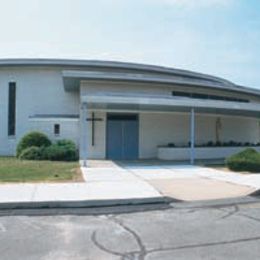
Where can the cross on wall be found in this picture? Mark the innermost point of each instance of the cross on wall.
(93, 119)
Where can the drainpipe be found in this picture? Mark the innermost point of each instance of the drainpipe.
(192, 136)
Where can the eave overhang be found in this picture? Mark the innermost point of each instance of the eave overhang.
(165, 104)
(73, 78)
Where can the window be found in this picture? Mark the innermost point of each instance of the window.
(199, 96)
(57, 129)
(213, 97)
(181, 94)
(206, 96)
(11, 108)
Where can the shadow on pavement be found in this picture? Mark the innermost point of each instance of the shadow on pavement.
(255, 193)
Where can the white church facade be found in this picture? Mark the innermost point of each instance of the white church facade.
(126, 111)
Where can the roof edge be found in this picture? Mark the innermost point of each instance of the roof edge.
(122, 65)
(106, 63)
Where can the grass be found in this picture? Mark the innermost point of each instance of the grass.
(15, 170)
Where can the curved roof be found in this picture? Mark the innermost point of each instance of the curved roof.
(131, 72)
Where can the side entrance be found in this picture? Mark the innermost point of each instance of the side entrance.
(122, 136)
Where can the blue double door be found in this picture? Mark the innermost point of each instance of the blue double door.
(122, 137)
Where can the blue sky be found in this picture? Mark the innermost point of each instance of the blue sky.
(219, 37)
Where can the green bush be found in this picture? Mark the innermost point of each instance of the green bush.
(37, 146)
(31, 153)
(66, 143)
(36, 139)
(57, 152)
(247, 153)
(247, 160)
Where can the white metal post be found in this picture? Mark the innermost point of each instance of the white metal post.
(192, 136)
(84, 134)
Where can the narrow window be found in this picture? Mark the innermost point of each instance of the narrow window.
(57, 129)
(181, 94)
(199, 96)
(11, 108)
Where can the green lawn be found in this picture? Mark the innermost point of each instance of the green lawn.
(15, 170)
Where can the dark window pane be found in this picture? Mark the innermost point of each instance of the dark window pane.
(181, 94)
(206, 96)
(200, 96)
(119, 117)
(56, 129)
(214, 97)
(11, 108)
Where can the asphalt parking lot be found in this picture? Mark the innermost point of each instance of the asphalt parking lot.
(187, 232)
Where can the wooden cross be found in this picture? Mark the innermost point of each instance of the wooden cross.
(93, 119)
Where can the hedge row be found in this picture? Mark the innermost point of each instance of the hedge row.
(247, 160)
(37, 146)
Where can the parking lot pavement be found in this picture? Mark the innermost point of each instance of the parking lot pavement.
(223, 232)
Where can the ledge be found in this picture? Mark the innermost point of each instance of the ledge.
(183, 153)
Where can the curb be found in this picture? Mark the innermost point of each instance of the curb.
(83, 203)
(153, 203)
(228, 202)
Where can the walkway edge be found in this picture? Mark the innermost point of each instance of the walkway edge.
(83, 203)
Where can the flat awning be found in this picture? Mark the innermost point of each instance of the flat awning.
(118, 102)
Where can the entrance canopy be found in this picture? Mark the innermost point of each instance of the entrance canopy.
(137, 103)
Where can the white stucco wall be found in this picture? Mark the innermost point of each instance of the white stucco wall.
(69, 129)
(39, 91)
(131, 89)
(148, 89)
(98, 151)
(158, 129)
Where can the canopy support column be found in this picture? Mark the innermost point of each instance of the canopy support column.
(84, 135)
(192, 136)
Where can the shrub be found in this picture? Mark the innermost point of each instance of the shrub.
(36, 139)
(247, 153)
(66, 143)
(57, 152)
(31, 153)
(247, 160)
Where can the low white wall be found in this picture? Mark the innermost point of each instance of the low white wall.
(174, 153)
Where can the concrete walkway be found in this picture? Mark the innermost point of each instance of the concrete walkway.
(102, 185)
(186, 182)
(189, 171)
(115, 183)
